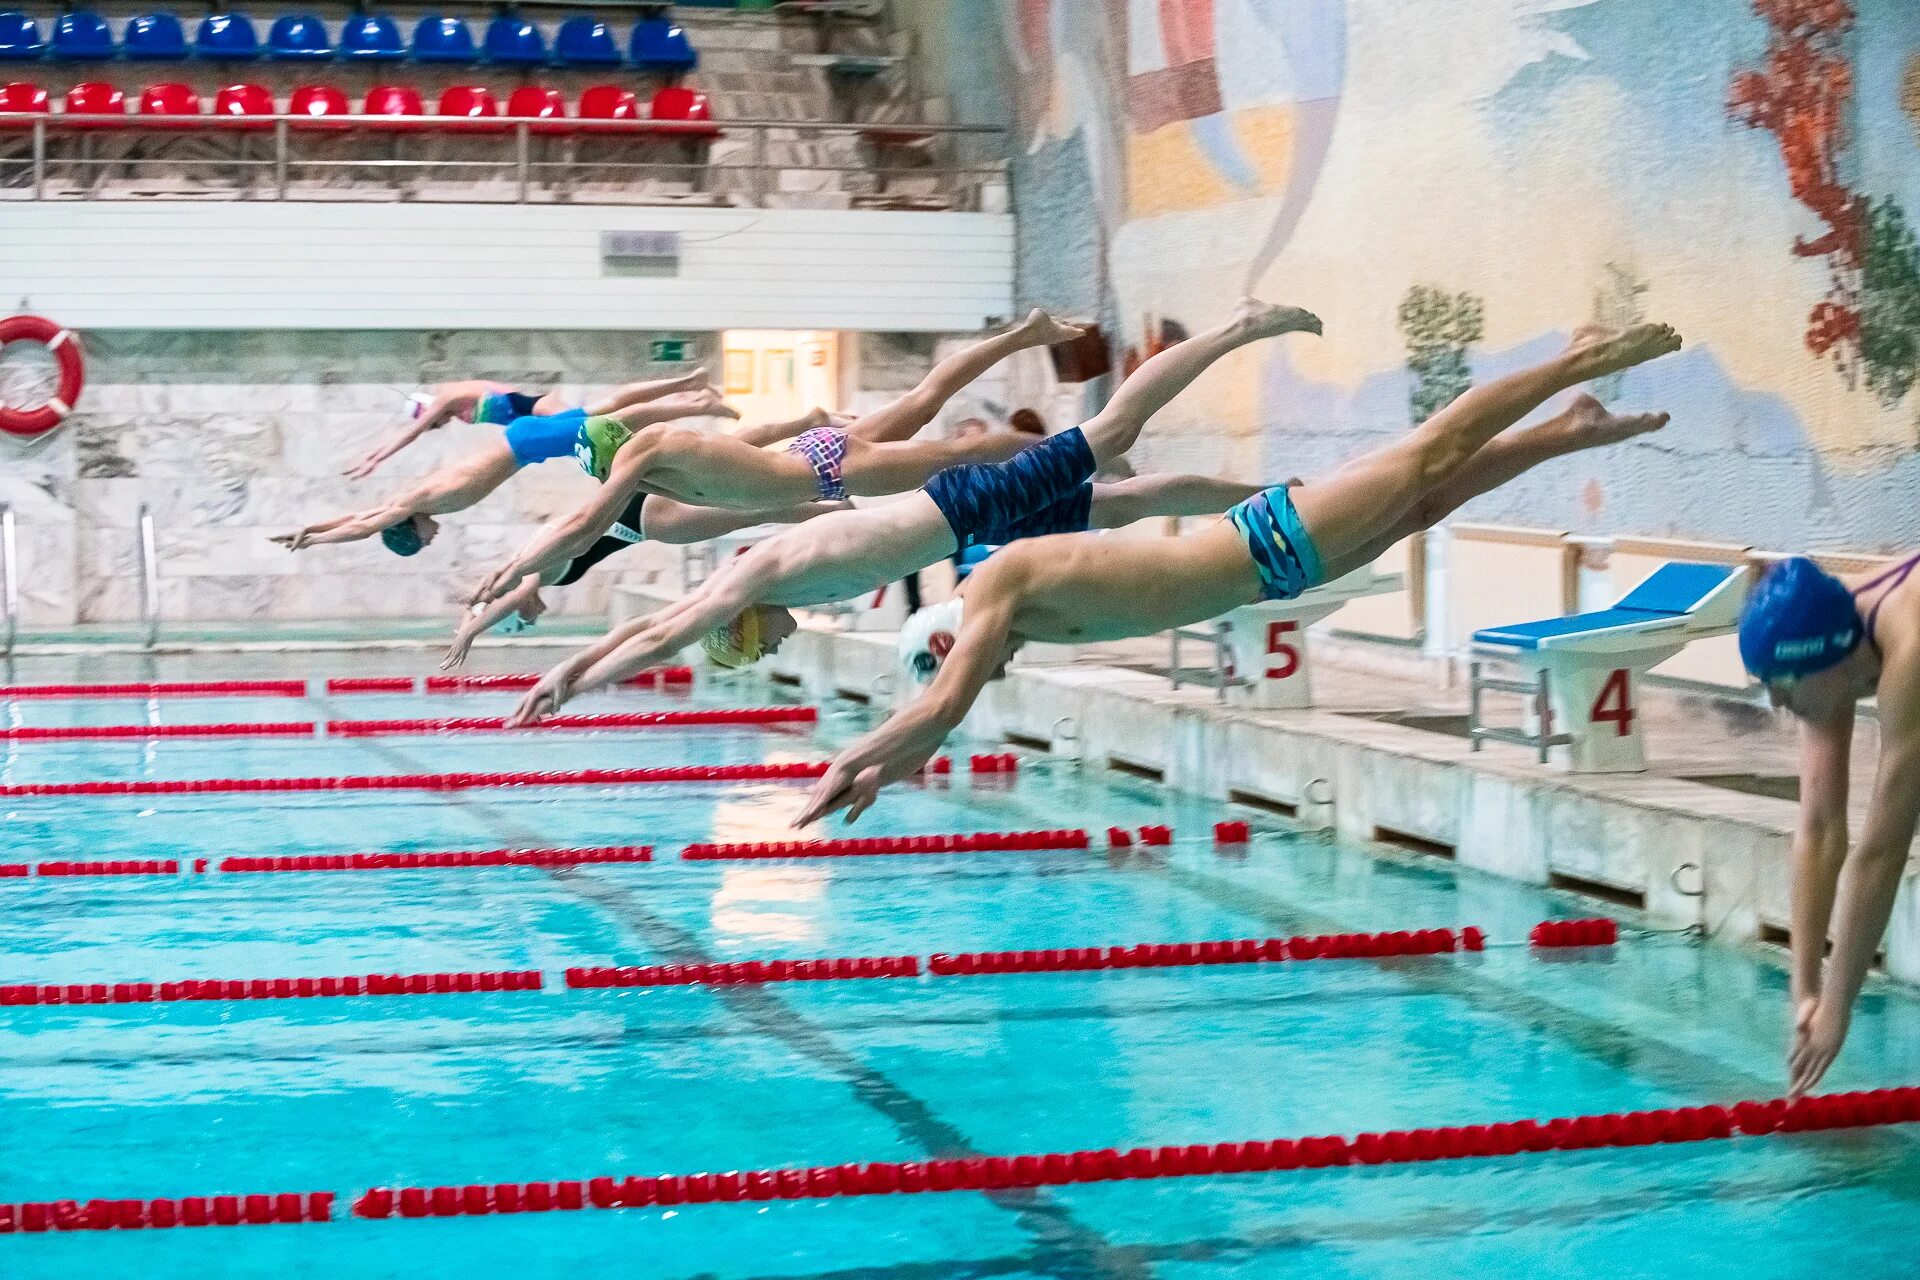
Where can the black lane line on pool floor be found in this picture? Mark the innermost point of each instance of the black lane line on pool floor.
(1065, 1247)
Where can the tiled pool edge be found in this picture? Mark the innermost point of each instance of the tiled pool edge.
(1497, 810)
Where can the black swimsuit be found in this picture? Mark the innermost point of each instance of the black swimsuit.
(627, 530)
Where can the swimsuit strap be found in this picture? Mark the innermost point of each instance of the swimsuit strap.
(1892, 578)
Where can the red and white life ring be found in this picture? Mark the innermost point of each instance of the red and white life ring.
(65, 347)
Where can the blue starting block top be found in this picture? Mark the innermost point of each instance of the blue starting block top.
(1666, 597)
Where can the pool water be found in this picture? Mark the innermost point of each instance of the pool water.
(190, 1099)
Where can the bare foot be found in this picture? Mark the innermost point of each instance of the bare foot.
(1260, 319)
(1591, 426)
(291, 541)
(1048, 331)
(1599, 351)
(695, 379)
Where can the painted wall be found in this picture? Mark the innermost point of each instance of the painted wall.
(1454, 187)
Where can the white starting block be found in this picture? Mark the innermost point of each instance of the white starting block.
(1260, 651)
(1581, 700)
(881, 610)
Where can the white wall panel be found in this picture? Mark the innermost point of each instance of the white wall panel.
(180, 265)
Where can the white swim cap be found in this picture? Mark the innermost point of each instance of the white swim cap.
(928, 637)
(418, 403)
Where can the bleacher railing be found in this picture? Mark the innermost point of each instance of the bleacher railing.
(519, 149)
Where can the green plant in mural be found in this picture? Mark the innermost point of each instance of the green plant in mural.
(1617, 303)
(1439, 327)
(1890, 303)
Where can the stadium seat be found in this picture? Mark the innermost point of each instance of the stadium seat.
(515, 42)
(299, 37)
(443, 40)
(676, 102)
(156, 37)
(586, 42)
(471, 103)
(169, 99)
(95, 98)
(660, 44)
(371, 37)
(20, 38)
(608, 102)
(22, 98)
(397, 106)
(318, 102)
(238, 105)
(81, 36)
(227, 37)
(537, 102)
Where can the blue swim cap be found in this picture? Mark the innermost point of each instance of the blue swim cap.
(403, 539)
(1799, 620)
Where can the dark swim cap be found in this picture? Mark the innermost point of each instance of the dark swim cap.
(403, 539)
(1800, 620)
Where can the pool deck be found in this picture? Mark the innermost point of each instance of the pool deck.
(1693, 853)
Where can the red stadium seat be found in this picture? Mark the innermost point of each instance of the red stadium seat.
(95, 98)
(677, 102)
(24, 98)
(472, 106)
(537, 102)
(318, 102)
(608, 102)
(239, 106)
(170, 101)
(396, 107)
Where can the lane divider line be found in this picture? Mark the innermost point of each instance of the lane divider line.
(103, 732)
(373, 984)
(438, 861)
(989, 841)
(656, 677)
(1501, 1140)
(618, 720)
(798, 770)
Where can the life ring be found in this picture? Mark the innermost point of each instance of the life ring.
(65, 347)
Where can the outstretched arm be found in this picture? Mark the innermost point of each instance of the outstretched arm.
(902, 746)
(567, 538)
(1125, 501)
(448, 399)
(476, 621)
(348, 528)
(1870, 877)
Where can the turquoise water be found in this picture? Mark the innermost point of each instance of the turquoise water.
(343, 1094)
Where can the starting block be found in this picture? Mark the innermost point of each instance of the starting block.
(1260, 651)
(1581, 697)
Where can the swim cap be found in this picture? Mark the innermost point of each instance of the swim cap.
(927, 639)
(493, 408)
(417, 404)
(738, 643)
(403, 539)
(511, 625)
(1799, 620)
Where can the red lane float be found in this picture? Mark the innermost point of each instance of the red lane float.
(102, 732)
(373, 984)
(188, 1211)
(1598, 932)
(373, 684)
(165, 689)
(1167, 955)
(620, 720)
(1231, 833)
(1063, 1168)
(428, 781)
(441, 860)
(1005, 762)
(145, 867)
(481, 684)
(745, 972)
(876, 845)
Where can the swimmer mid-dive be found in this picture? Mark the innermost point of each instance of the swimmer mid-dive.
(873, 458)
(1077, 587)
(742, 608)
(1821, 643)
(498, 403)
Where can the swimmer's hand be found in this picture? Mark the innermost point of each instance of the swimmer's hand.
(463, 638)
(841, 787)
(1819, 1029)
(544, 698)
(892, 753)
(366, 464)
(494, 586)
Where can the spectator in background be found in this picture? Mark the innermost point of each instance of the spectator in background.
(1028, 421)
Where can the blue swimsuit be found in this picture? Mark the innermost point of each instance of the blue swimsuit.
(538, 437)
(1038, 491)
(1282, 550)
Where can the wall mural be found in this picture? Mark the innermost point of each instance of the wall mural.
(1457, 187)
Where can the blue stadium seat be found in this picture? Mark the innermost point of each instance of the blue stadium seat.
(586, 42)
(157, 37)
(371, 37)
(81, 36)
(299, 37)
(515, 42)
(443, 40)
(660, 44)
(19, 38)
(227, 37)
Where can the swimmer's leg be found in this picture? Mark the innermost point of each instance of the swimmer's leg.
(1112, 431)
(1145, 497)
(902, 419)
(1359, 505)
(874, 470)
(633, 393)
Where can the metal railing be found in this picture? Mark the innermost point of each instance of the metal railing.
(1216, 636)
(149, 577)
(753, 156)
(10, 566)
